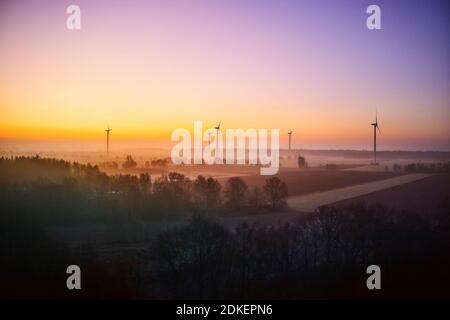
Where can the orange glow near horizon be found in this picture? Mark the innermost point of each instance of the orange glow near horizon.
(146, 75)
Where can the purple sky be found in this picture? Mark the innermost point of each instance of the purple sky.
(308, 65)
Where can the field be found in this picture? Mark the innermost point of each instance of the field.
(300, 182)
(311, 202)
(424, 196)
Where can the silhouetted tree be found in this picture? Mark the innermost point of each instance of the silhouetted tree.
(301, 161)
(199, 190)
(206, 192)
(160, 162)
(145, 183)
(172, 193)
(213, 189)
(109, 165)
(276, 193)
(129, 163)
(257, 199)
(189, 257)
(236, 193)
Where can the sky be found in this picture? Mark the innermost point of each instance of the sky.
(147, 68)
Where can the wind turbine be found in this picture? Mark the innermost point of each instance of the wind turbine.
(208, 130)
(108, 130)
(290, 134)
(375, 128)
(217, 127)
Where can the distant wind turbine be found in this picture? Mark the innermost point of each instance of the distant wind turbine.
(108, 130)
(290, 134)
(375, 128)
(217, 127)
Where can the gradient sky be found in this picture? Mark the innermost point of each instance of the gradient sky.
(149, 67)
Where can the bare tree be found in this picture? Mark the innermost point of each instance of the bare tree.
(236, 193)
(129, 163)
(301, 161)
(276, 192)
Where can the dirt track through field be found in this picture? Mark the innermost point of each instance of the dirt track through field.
(310, 202)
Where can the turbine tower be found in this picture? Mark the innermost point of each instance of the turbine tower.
(290, 134)
(375, 128)
(208, 130)
(217, 127)
(108, 130)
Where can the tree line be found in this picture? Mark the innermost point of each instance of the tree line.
(319, 255)
(57, 189)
